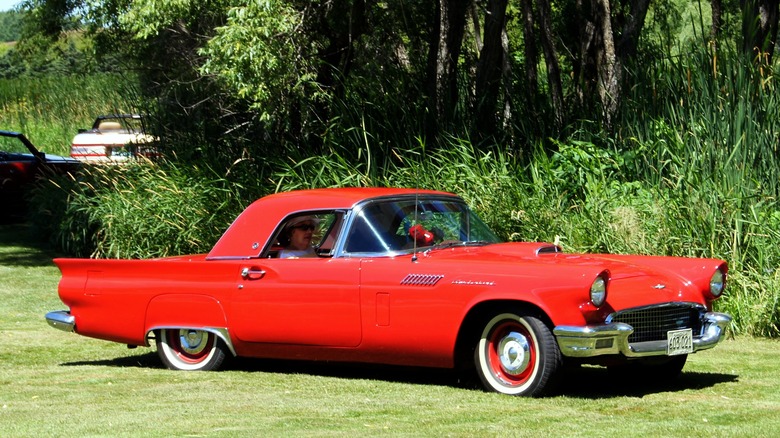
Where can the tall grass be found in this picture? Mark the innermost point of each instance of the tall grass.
(136, 210)
(51, 109)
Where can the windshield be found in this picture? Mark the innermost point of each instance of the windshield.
(11, 144)
(399, 225)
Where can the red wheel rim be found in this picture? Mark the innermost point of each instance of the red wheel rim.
(191, 346)
(511, 353)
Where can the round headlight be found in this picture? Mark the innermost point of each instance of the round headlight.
(717, 283)
(598, 291)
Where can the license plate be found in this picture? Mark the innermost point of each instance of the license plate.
(679, 342)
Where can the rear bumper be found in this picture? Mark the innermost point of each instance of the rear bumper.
(612, 339)
(61, 320)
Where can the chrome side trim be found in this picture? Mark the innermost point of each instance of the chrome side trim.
(61, 320)
(599, 340)
(221, 332)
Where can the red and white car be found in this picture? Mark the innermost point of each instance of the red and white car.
(114, 138)
(399, 276)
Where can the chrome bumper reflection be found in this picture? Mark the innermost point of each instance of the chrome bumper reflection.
(61, 320)
(599, 340)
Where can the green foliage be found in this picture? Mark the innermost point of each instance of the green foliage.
(144, 19)
(10, 25)
(257, 57)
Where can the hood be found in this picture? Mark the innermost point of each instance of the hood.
(56, 159)
(634, 280)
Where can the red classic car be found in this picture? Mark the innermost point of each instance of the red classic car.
(398, 276)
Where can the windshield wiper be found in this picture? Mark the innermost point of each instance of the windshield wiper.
(454, 243)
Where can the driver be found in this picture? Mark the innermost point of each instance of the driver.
(297, 236)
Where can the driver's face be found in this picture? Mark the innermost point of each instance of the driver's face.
(300, 237)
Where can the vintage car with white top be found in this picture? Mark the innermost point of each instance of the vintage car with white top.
(114, 138)
(404, 277)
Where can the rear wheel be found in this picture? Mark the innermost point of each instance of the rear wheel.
(516, 355)
(190, 350)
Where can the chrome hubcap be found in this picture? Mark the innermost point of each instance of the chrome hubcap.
(514, 353)
(192, 341)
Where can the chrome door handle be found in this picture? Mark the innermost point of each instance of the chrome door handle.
(252, 274)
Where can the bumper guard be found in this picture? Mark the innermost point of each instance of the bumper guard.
(599, 340)
(61, 320)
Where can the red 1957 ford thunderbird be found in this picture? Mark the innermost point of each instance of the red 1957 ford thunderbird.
(398, 276)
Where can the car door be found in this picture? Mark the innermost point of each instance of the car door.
(414, 309)
(304, 301)
(17, 171)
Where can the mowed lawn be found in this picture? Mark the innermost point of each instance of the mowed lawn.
(60, 384)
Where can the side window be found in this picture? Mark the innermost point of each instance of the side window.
(319, 229)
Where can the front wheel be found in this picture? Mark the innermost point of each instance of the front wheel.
(517, 355)
(190, 350)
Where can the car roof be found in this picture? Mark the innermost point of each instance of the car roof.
(342, 197)
(252, 228)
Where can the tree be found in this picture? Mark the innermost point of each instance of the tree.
(50, 18)
(489, 68)
(604, 52)
(10, 25)
(442, 80)
(551, 60)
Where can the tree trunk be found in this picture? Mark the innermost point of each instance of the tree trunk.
(531, 54)
(507, 79)
(632, 28)
(442, 85)
(759, 29)
(717, 22)
(488, 80)
(600, 67)
(551, 60)
(609, 67)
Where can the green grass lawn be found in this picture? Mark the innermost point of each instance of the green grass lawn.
(60, 384)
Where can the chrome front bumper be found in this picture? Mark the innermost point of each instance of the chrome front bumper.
(600, 340)
(61, 320)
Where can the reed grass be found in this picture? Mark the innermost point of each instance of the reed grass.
(50, 109)
(136, 210)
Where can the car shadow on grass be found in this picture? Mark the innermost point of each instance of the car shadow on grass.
(582, 382)
(597, 383)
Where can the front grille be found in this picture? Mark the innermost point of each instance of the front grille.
(651, 323)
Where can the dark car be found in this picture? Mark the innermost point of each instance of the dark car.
(21, 165)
